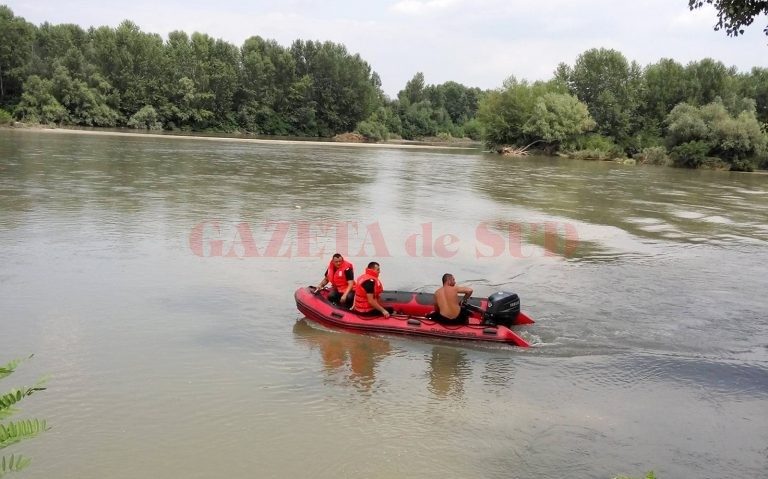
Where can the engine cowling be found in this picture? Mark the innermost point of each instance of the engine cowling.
(503, 309)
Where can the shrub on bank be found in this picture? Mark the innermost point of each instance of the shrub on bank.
(598, 146)
(592, 155)
(372, 130)
(655, 155)
(691, 154)
(473, 129)
(5, 117)
(145, 119)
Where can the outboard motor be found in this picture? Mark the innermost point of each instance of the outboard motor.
(503, 309)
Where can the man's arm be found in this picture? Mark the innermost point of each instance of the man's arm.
(350, 275)
(467, 292)
(322, 283)
(369, 287)
(350, 285)
(375, 305)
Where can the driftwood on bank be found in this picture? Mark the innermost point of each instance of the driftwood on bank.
(511, 150)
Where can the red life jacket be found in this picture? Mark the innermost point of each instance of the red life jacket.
(338, 276)
(361, 299)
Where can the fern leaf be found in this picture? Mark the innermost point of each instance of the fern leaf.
(13, 432)
(6, 413)
(9, 368)
(15, 395)
(13, 463)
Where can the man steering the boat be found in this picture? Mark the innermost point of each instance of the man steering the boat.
(447, 307)
(341, 275)
(368, 293)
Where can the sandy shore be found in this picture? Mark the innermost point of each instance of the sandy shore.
(65, 131)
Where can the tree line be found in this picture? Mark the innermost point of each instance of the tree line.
(601, 106)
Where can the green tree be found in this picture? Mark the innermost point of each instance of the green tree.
(344, 89)
(413, 91)
(85, 106)
(610, 86)
(64, 44)
(268, 72)
(503, 113)
(38, 105)
(146, 118)
(734, 15)
(16, 37)
(755, 85)
(664, 86)
(132, 62)
(708, 80)
(557, 117)
(737, 139)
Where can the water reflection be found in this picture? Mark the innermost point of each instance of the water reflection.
(448, 369)
(357, 355)
(662, 205)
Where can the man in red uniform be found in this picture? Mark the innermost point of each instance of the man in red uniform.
(341, 275)
(368, 293)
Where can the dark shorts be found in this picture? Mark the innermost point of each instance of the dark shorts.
(462, 318)
(335, 297)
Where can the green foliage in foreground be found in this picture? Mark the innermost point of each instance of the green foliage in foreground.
(650, 475)
(12, 432)
(5, 117)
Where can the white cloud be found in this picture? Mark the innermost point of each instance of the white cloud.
(420, 7)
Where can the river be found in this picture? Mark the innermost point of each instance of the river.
(153, 279)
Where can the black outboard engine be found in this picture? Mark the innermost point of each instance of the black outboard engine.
(503, 309)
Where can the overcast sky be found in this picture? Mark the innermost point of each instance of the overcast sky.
(478, 43)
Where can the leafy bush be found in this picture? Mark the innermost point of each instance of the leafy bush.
(593, 142)
(146, 118)
(5, 117)
(12, 432)
(735, 139)
(556, 117)
(473, 129)
(593, 147)
(691, 154)
(372, 131)
(592, 155)
(650, 475)
(742, 165)
(656, 155)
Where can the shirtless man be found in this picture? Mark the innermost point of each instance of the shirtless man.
(447, 306)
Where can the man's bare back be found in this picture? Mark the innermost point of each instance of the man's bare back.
(447, 298)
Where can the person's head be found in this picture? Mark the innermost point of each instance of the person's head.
(449, 279)
(374, 266)
(337, 259)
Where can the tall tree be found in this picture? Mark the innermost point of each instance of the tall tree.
(734, 15)
(16, 36)
(413, 91)
(344, 89)
(610, 86)
(664, 86)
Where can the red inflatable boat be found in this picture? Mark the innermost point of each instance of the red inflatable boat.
(490, 320)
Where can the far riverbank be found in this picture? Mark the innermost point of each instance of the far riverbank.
(275, 141)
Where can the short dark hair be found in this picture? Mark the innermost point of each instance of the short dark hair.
(372, 264)
(446, 276)
(337, 255)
